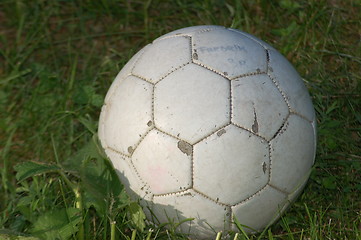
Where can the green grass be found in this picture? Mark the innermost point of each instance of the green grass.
(57, 60)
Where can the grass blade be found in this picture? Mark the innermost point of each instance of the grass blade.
(30, 169)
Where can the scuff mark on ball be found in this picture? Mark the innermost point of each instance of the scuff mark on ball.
(221, 132)
(255, 122)
(264, 167)
(185, 147)
(130, 149)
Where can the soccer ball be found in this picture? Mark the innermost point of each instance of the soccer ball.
(213, 124)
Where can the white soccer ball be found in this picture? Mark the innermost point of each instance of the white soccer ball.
(213, 124)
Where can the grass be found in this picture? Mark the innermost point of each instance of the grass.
(57, 60)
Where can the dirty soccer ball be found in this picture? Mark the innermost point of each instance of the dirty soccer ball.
(213, 124)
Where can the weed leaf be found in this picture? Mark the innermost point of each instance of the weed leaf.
(6, 234)
(9, 235)
(57, 224)
(91, 150)
(329, 182)
(103, 189)
(89, 123)
(30, 169)
(101, 185)
(137, 215)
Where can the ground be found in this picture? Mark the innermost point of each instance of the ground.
(58, 59)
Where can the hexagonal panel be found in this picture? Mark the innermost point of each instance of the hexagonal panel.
(291, 84)
(259, 41)
(228, 52)
(189, 204)
(314, 126)
(162, 165)
(133, 184)
(267, 203)
(127, 116)
(231, 165)
(162, 57)
(191, 103)
(258, 105)
(292, 154)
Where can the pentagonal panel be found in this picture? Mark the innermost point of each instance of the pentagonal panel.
(125, 72)
(292, 154)
(162, 165)
(267, 203)
(128, 114)
(295, 194)
(191, 103)
(134, 185)
(231, 165)
(189, 204)
(291, 84)
(228, 52)
(162, 57)
(258, 105)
